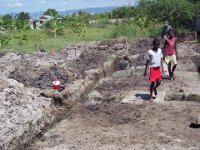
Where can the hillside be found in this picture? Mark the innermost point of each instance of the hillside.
(97, 10)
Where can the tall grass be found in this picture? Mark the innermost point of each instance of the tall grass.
(132, 30)
(103, 23)
(43, 39)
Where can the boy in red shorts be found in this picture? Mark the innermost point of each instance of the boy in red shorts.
(154, 61)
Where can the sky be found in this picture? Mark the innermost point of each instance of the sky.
(8, 6)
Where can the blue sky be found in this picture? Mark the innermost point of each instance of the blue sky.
(8, 6)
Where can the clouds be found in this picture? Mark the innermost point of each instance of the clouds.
(41, 1)
(78, 4)
(14, 4)
(7, 6)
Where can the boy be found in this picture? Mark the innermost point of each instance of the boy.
(170, 51)
(154, 61)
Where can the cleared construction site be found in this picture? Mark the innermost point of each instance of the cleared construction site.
(100, 104)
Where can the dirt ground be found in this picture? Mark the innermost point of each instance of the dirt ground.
(103, 121)
(128, 127)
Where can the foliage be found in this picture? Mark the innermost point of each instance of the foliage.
(48, 42)
(178, 13)
(155, 30)
(4, 40)
(22, 16)
(86, 17)
(21, 37)
(51, 12)
(141, 20)
(76, 25)
(102, 23)
(9, 22)
(143, 24)
(123, 12)
(39, 40)
(23, 21)
(14, 23)
(126, 28)
(55, 25)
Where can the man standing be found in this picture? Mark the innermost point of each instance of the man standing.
(166, 29)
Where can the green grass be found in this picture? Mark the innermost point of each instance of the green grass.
(134, 32)
(50, 42)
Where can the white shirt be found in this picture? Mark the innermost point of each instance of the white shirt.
(154, 57)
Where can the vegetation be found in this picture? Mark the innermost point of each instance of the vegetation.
(55, 25)
(4, 40)
(143, 20)
(51, 12)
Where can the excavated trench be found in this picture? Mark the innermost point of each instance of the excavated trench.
(78, 74)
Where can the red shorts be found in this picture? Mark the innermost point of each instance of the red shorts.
(155, 74)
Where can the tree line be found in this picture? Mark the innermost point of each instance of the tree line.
(180, 13)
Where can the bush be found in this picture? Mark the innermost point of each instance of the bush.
(155, 31)
(101, 23)
(124, 29)
(4, 40)
(181, 30)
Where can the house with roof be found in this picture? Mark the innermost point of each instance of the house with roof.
(43, 19)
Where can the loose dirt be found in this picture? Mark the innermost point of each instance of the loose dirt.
(124, 126)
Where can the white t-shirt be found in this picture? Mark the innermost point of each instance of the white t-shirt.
(154, 57)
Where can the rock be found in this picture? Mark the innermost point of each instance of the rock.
(181, 90)
(95, 95)
(195, 116)
(22, 114)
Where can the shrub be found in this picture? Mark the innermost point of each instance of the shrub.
(4, 40)
(155, 31)
(124, 29)
(101, 23)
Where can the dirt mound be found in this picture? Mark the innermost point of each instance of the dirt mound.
(196, 61)
(117, 113)
(91, 59)
(190, 36)
(111, 43)
(140, 46)
(39, 79)
(2, 54)
(140, 61)
(22, 114)
(197, 48)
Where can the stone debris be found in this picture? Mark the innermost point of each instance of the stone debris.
(22, 114)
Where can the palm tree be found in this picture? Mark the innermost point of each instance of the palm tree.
(9, 22)
(55, 25)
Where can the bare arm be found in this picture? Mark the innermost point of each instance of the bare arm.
(176, 51)
(146, 65)
(161, 61)
(165, 45)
